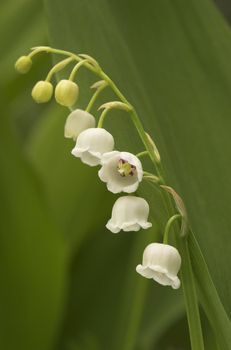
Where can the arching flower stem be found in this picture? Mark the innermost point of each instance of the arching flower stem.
(142, 154)
(76, 68)
(58, 67)
(102, 117)
(151, 178)
(94, 97)
(168, 227)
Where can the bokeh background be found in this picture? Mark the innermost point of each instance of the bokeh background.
(66, 282)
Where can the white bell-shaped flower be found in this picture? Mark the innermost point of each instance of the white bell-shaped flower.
(122, 171)
(78, 121)
(161, 262)
(129, 213)
(91, 144)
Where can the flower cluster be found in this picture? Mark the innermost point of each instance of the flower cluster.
(122, 172)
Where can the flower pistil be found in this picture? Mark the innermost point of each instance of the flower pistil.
(125, 168)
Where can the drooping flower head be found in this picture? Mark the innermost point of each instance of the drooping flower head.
(161, 262)
(78, 121)
(23, 64)
(122, 171)
(42, 91)
(66, 92)
(91, 144)
(129, 213)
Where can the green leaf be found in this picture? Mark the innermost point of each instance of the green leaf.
(33, 257)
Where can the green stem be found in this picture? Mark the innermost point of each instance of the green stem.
(76, 68)
(152, 178)
(169, 226)
(188, 284)
(58, 67)
(137, 123)
(94, 97)
(102, 117)
(142, 154)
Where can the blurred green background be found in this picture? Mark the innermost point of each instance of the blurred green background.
(66, 282)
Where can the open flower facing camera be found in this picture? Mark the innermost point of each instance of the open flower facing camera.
(122, 171)
(161, 262)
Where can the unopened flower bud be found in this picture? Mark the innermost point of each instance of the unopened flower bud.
(23, 64)
(42, 91)
(66, 93)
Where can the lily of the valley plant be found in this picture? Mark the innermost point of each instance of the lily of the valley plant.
(122, 172)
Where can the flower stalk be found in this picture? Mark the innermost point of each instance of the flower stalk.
(169, 226)
(58, 67)
(142, 154)
(95, 96)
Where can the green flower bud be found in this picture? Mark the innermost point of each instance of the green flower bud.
(66, 93)
(42, 91)
(23, 64)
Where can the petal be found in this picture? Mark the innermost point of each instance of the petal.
(131, 188)
(103, 175)
(145, 225)
(114, 187)
(77, 151)
(90, 158)
(78, 121)
(108, 155)
(113, 228)
(144, 271)
(162, 279)
(131, 227)
(96, 139)
(176, 283)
